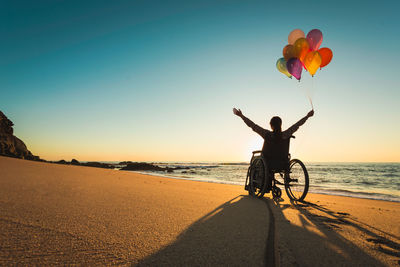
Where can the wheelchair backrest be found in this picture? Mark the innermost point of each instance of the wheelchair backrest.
(276, 152)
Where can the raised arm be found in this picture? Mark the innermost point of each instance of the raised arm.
(296, 126)
(261, 131)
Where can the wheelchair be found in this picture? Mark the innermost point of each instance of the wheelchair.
(272, 167)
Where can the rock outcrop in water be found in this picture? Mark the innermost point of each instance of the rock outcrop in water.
(11, 145)
(98, 165)
(87, 164)
(142, 166)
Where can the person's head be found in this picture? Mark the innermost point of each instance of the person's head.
(276, 124)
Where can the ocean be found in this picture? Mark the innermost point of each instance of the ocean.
(364, 180)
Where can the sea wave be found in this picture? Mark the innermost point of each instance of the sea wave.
(365, 180)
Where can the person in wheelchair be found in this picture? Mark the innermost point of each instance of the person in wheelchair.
(275, 150)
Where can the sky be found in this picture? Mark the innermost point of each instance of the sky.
(157, 80)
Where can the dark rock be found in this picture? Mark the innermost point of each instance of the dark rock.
(88, 164)
(75, 162)
(10, 145)
(98, 165)
(125, 162)
(142, 166)
(181, 168)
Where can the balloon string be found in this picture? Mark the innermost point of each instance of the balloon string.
(312, 90)
(309, 98)
(307, 92)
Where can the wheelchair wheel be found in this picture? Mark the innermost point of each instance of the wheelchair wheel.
(296, 181)
(257, 181)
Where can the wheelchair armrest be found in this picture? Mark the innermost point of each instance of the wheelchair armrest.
(257, 151)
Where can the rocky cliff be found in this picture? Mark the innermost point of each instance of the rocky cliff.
(10, 145)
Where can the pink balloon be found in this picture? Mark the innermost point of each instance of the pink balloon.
(314, 38)
(294, 35)
(294, 67)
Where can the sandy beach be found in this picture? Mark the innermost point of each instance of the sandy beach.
(337, 231)
(56, 214)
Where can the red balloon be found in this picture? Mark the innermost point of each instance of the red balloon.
(326, 55)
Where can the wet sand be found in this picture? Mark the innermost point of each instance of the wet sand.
(56, 214)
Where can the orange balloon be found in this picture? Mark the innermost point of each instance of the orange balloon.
(326, 55)
(301, 48)
(288, 52)
(312, 62)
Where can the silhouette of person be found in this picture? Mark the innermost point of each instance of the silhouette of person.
(275, 141)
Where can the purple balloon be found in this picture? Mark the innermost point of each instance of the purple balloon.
(294, 67)
(314, 38)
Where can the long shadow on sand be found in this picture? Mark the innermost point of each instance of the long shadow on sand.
(234, 234)
(315, 238)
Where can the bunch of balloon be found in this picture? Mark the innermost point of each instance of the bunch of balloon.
(303, 52)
